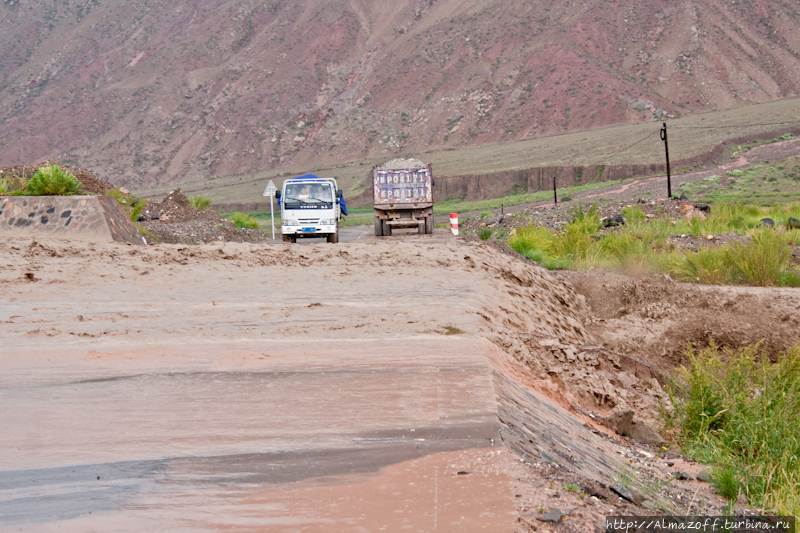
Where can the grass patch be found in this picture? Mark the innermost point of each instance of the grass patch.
(132, 205)
(761, 261)
(244, 221)
(200, 202)
(52, 180)
(485, 233)
(454, 330)
(737, 411)
(764, 184)
(458, 205)
(641, 246)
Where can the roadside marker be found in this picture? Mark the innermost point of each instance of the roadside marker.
(454, 223)
(270, 191)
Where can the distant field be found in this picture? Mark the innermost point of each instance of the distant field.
(623, 144)
(762, 184)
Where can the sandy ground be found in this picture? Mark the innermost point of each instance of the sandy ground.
(365, 386)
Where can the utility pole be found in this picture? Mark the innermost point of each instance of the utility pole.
(666, 149)
(555, 196)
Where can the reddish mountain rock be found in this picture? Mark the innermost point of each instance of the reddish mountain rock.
(160, 92)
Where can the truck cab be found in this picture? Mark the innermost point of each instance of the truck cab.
(310, 208)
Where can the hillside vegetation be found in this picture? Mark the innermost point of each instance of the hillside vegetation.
(163, 92)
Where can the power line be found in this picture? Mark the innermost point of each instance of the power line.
(627, 148)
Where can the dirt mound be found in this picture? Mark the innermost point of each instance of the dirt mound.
(91, 183)
(176, 208)
(202, 232)
(656, 319)
(174, 220)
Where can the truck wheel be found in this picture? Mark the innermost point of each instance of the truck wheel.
(333, 237)
(429, 224)
(287, 238)
(386, 229)
(378, 227)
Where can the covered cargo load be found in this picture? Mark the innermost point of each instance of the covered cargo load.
(403, 196)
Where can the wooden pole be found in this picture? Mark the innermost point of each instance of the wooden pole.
(666, 149)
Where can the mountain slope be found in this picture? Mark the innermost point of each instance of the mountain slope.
(157, 92)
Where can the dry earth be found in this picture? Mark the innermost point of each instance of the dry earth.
(366, 385)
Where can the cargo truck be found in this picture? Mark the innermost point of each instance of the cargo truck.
(310, 207)
(403, 197)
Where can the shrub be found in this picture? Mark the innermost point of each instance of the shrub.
(485, 233)
(51, 180)
(628, 251)
(633, 214)
(199, 202)
(789, 279)
(5, 187)
(243, 220)
(708, 265)
(738, 412)
(532, 238)
(761, 261)
(129, 203)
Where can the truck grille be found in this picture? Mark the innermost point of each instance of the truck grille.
(303, 221)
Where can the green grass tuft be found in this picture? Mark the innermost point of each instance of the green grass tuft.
(485, 233)
(243, 220)
(52, 180)
(199, 202)
(761, 261)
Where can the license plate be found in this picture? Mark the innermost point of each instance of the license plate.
(309, 230)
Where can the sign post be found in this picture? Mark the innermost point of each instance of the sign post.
(270, 191)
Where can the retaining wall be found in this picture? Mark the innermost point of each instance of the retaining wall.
(92, 218)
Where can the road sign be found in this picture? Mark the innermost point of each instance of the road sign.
(270, 191)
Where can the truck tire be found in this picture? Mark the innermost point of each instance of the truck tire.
(429, 224)
(334, 237)
(288, 238)
(386, 229)
(378, 227)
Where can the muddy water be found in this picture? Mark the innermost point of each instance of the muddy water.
(179, 445)
(246, 388)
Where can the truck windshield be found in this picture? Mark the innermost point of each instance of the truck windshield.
(309, 195)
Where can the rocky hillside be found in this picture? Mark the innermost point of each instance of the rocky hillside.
(157, 92)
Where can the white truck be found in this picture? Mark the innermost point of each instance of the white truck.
(310, 207)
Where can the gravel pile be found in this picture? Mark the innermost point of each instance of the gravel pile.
(174, 220)
(176, 208)
(200, 232)
(399, 164)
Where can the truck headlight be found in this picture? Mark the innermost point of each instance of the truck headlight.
(289, 222)
(327, 221)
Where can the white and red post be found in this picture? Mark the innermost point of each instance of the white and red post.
(454, 223)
